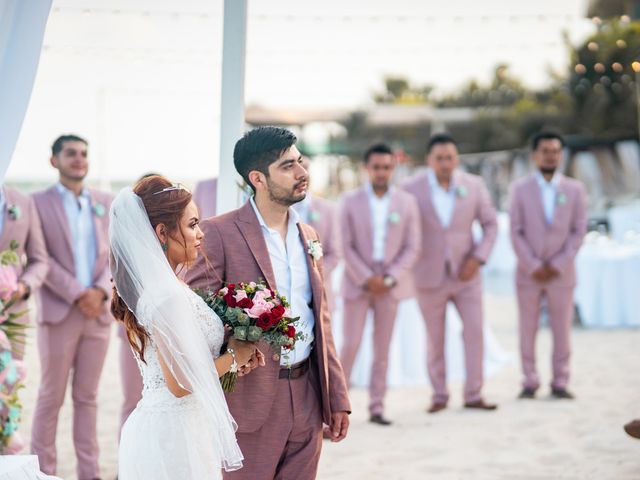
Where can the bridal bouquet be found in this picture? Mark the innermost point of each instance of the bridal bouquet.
(253, 312)
(12, 371)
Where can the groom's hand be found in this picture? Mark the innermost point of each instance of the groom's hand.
(339, 425)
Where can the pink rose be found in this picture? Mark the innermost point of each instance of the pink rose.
(8, 282)
(14, 445)
(260, 305)
(240, 294)
(5, 344)
(223, 291)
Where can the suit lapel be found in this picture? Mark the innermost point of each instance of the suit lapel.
(560, 206)
(425, 200)
(537, 203)
(102, 247)
(366, 220)
(458, 200)
(60, 215)
(314, 278)
(395, 212)
(251, 230)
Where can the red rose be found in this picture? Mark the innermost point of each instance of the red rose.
(277, 312)
(291, 331)
(231, 301)
(245, 303)
(264, 321)
(231, 286)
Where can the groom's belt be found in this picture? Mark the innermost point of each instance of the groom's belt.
(295, 371)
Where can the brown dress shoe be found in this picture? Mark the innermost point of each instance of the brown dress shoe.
(436, 407)
(481, 405)
(380, 420)
(633, 428)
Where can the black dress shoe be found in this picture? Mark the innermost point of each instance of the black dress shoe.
(380, 420)
(481, 405)
(527, 393)
(562, 394)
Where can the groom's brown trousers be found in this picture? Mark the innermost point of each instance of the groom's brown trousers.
(288, 445)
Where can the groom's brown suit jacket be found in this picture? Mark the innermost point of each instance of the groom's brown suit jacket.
(235, 251)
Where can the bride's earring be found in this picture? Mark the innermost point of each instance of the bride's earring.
(165, 247)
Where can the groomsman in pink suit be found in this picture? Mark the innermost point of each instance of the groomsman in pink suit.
(548, 217)
(450, 201)
(322, 215)
(380, 228)
(74, 323)
(279, 408)
(19, 222)
(205, 197)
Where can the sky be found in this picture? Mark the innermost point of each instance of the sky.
(140, 79)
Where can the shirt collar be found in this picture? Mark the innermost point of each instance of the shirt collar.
(294, 217)
(543, 182)
(372, 194)
(433, 180)
(64, 191)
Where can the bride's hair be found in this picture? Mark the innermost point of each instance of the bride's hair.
(164, 203)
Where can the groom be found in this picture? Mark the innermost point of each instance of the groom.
(280, 408)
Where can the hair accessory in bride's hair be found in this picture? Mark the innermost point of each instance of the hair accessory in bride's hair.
(175, 186)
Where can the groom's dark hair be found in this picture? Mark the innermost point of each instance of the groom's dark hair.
(259, 148)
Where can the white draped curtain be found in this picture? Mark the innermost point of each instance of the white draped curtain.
(22, 25)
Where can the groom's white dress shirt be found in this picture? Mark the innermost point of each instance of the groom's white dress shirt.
(289, 263)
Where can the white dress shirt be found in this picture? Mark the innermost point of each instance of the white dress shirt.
(83, 235)
(289, 263)
(444, 201)
(3, 208)
(548, 191)
(380, 221)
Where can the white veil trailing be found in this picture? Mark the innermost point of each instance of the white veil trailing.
(147, 284)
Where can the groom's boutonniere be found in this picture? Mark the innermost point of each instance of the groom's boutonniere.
(394, 217)
(461, 191)
(562, 198)
(99, 210)
(314, 248)
(14, 212)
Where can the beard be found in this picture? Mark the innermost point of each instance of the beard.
(283, 196)
(548, 170)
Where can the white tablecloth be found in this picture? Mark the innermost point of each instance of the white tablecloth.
(408, 351)
(22, 467)
(623, 219)
(608, 291)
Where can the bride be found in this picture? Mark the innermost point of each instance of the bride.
(181, 428)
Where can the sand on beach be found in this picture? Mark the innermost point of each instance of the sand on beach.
(523, 440)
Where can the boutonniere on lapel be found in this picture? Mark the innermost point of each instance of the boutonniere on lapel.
(14, 212)
(314, 248)
(461, 191)
(394, 217)
(99, 210)
(314, 216)
(561, 199)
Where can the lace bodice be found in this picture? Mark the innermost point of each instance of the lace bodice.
(212, 330)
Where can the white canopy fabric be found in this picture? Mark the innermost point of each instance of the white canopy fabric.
(22, 25)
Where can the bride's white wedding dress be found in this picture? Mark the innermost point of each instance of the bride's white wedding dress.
(162, 435)
(166, 437)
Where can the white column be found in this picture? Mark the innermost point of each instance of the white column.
(232, 101)
(22, 25)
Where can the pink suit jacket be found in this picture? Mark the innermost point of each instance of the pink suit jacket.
(205, 196)
(455, 243)
(25, 229)
(236, 251)
(402, 244)
(535, 242)
(61, 289)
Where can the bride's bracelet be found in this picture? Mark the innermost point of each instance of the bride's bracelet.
(234, 364)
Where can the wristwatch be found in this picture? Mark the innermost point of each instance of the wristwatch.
(234, 364)
(389, 281)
